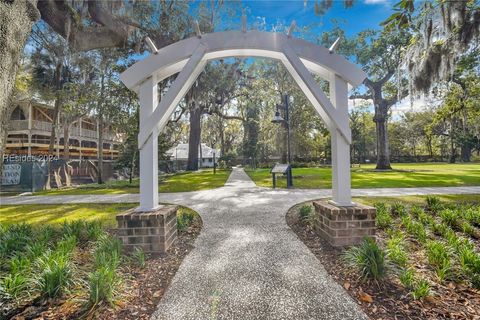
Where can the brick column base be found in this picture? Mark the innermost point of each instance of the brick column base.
(345, 226)
(153, 231)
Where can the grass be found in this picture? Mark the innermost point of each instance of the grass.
(404, 175)
(56, 214)
(178, 182)
(457, 199)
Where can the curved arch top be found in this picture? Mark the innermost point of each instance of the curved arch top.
(171, 59)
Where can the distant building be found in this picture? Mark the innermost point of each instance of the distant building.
(30, 126)
(179, 156)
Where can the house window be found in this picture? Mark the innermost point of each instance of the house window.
(210, 160)
(18, 114)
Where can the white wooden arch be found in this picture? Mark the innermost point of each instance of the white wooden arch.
(188, 58)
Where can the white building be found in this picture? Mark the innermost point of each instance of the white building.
(179, 155)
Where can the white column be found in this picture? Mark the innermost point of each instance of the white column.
(341, 187)
(149, 151)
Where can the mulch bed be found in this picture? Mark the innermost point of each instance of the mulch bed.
(138, 295)
(389, 299)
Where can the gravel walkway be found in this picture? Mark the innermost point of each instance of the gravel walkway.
(247, 263)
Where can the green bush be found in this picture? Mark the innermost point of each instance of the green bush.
(472, 215)
(433, 204)
(383, 218)
(55, 274)
(19, 264)
(107, 252)
(449, 216)
(184, 218)
(439, 258)
(101, 285)
(15, 239)
(396, 251)
(470, 264)
(305, 211)
(13, 285)
(421, 289)
(139, 257)
(368, 258)
(414, 228)
(407, 277)
(398, 209)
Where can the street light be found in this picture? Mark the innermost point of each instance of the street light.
(279, 119)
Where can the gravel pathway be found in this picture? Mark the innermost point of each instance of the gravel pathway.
(247, 263)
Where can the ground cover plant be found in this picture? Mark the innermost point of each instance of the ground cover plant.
(404, 175)
(77, 268)
(424, 264)
(178, 182)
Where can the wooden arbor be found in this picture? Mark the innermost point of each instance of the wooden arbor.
(188, 58)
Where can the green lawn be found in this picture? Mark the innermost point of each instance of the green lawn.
(179, 182)
(39, 214)
(457, 199)
(403, 175)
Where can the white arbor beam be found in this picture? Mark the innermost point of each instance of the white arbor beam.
(341, 192)
(158, 119)
(334, 119)
(149, 152)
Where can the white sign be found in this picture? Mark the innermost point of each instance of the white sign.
(11, 174)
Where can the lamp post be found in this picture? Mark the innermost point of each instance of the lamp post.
(278, 119)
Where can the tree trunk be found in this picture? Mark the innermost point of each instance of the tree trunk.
(383, 152)
(66, 141)
(194, 138)
(100, 149)
(58, 103)
(16, 20)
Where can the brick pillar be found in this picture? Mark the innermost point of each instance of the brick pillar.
(345, 226)
(153, 231)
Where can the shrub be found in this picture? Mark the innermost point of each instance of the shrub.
(368, 258)
(449, 216)
(472, 215)
(56, 274)
(396, 251)
(470, 264)
(421, 289)
(433, 204)
(94, 230)
(36, 249)
(14, 239)
(139, 257)
(407, 277)
(414, 228)
(14, 285)
(398, 209)
(467, 228)
(439, 257)
(66, 245)
(416, 211)
(47, 234)
(107, 252)
(19, 264)
(383, 218)
(305, 211)
(74, 228)
(101, 285)
(184, 218)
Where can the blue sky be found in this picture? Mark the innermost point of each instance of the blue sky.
(364, 14)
